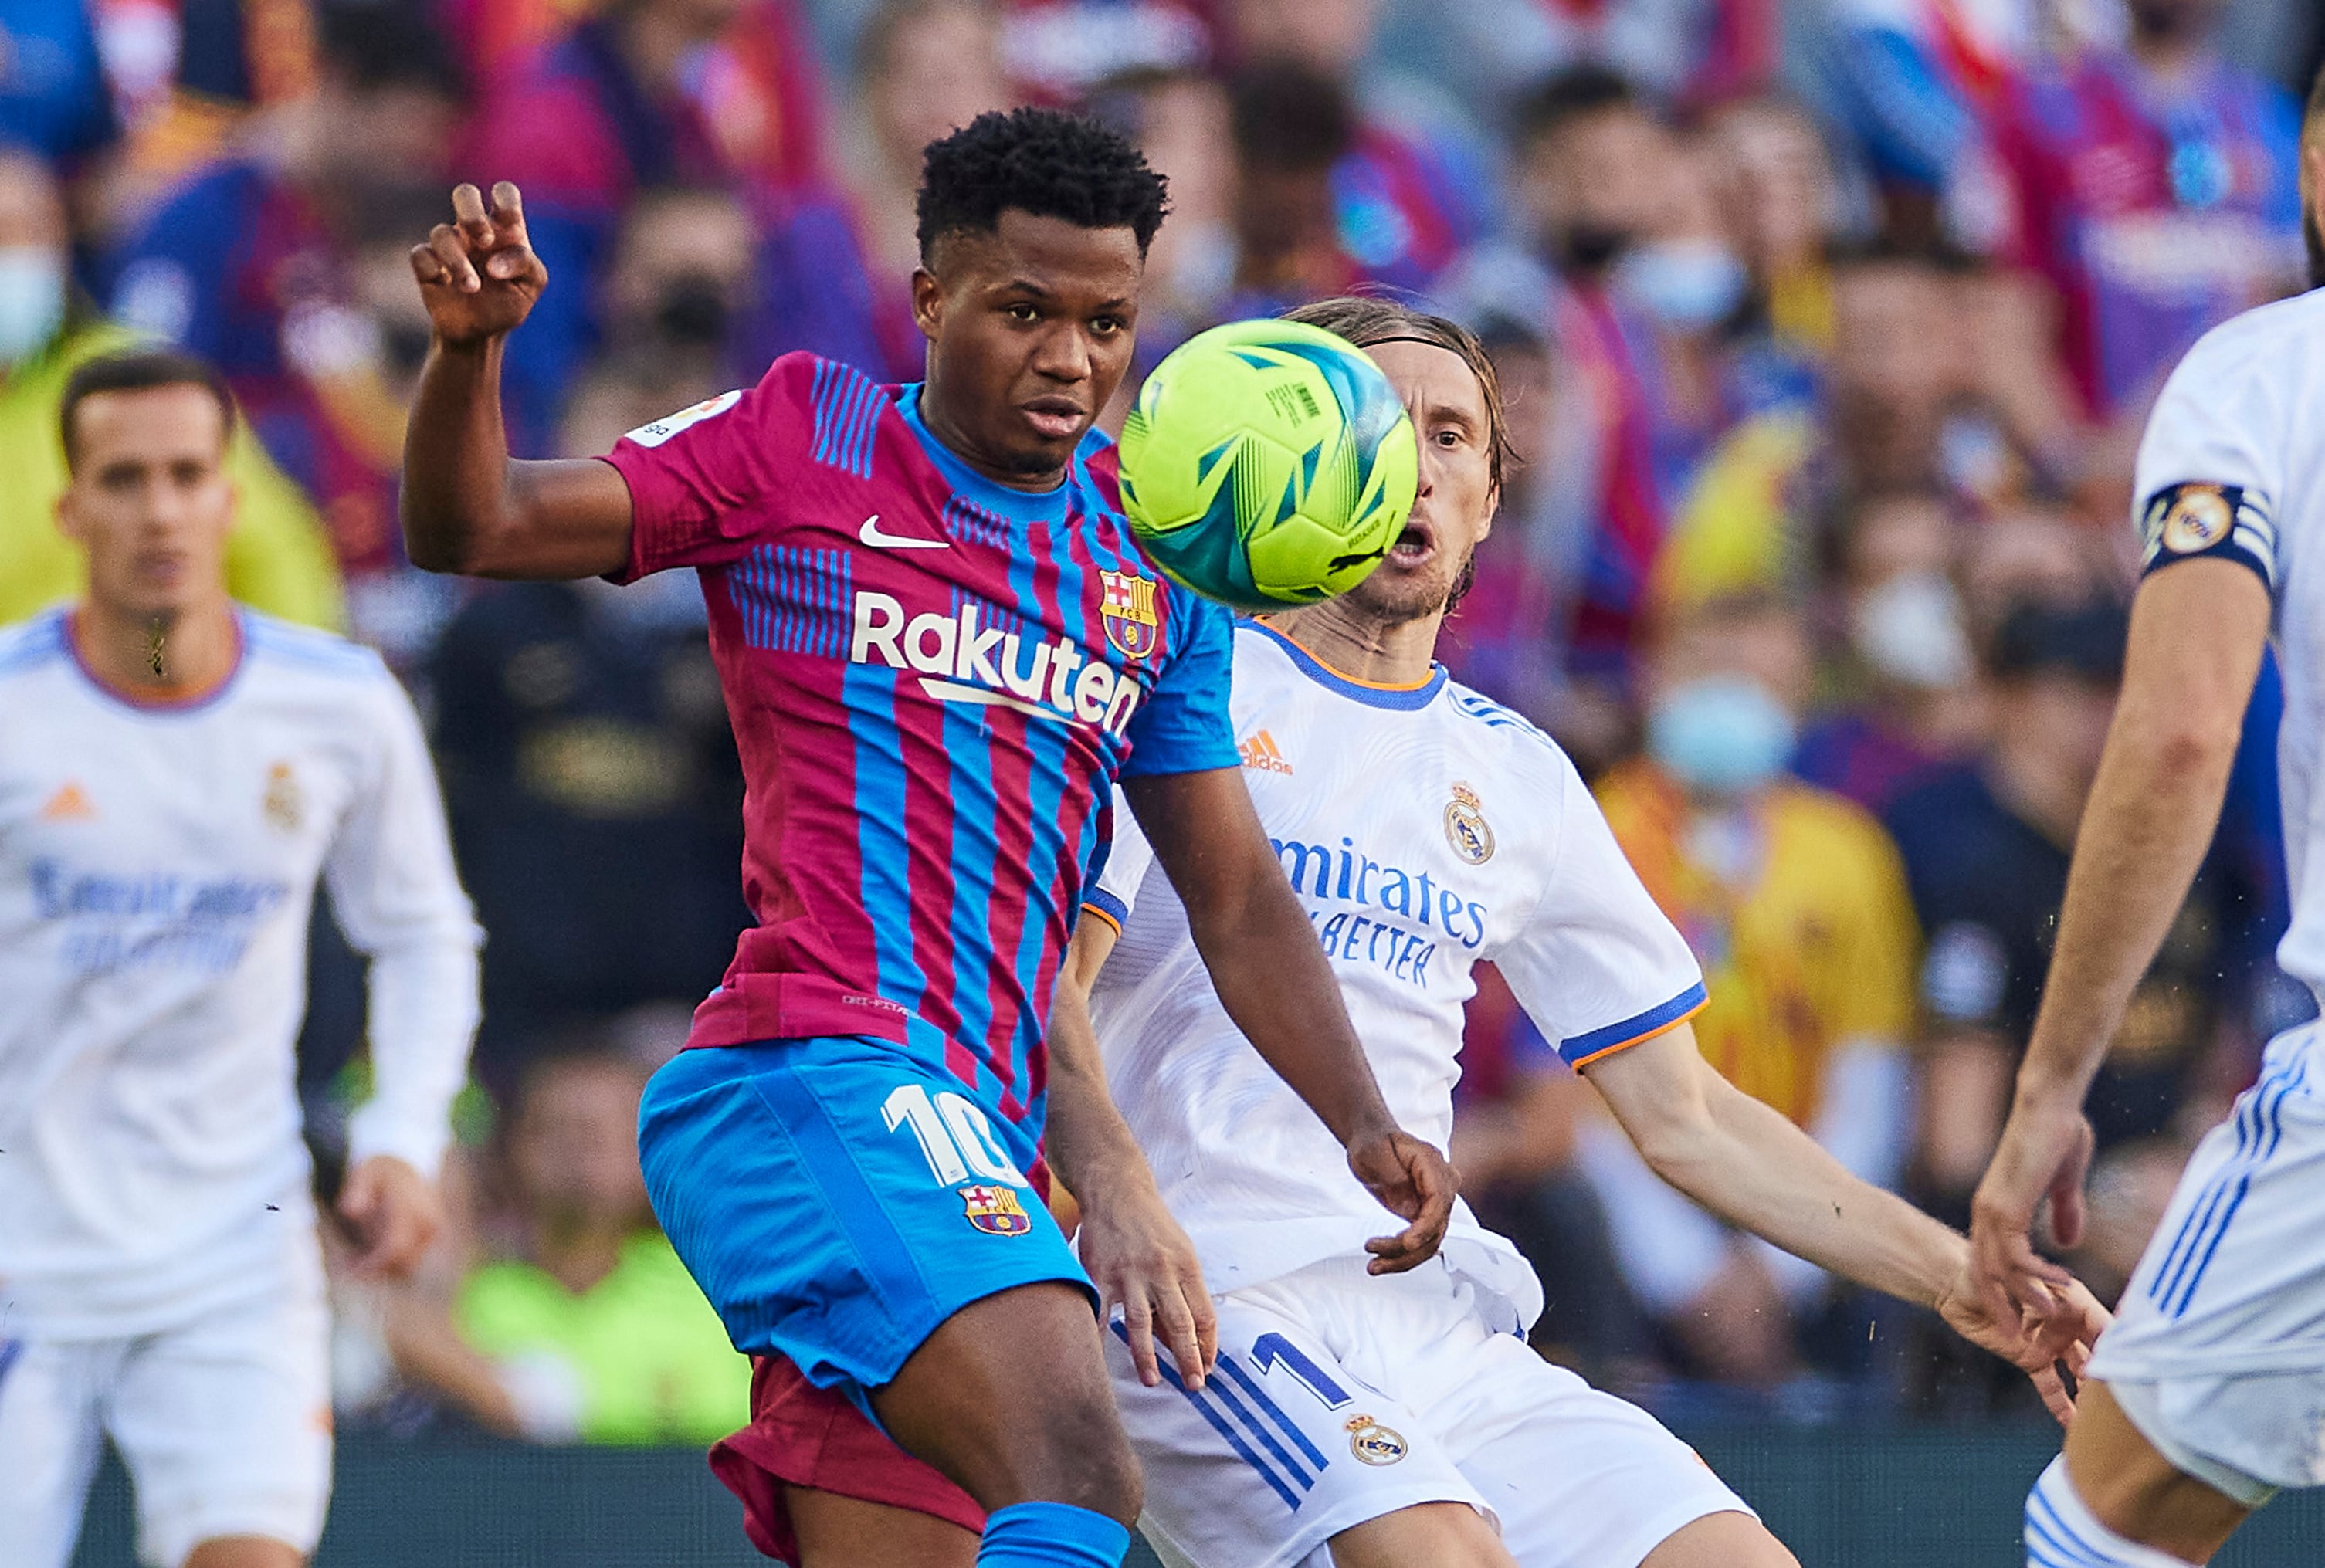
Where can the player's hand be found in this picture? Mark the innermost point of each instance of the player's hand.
(394, 1212)
(478, 275)
(1142, 1262)
(2046, 1148)
(2038, 1344)
(1414, 1181)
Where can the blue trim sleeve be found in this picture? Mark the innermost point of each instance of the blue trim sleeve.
(1106, 906)
(1579, 1049)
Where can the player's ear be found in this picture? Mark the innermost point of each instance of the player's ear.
(68, 519)
(928, 302)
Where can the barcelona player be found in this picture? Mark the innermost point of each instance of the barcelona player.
(938, 645)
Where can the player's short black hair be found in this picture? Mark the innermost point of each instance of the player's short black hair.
(374, 45)
(1289, 117)
(1569, 94)
(140, 370)
(1043, 161)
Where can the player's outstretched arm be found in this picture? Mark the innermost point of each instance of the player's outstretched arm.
(1278, 987)
(2198, 631)
(467, 507)
(1137, 1255)
(1749, 1164)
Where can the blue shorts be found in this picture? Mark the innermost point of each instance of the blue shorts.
(836, 1200)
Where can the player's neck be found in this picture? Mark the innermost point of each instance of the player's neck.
(158, 659)
(950, 437)
(1362, 648)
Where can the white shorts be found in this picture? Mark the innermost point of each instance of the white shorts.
(1340, 1397)
(223, 1422)
(2218, 1350)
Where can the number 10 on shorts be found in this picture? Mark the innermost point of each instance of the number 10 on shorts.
(954, 1135)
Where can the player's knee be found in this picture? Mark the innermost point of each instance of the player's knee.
(243, 1552)
(1083, 1457)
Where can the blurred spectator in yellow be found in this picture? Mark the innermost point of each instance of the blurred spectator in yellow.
(1795, 904)
(1901, 698)
(1785, 202)
(590, 1328)
(277, 557)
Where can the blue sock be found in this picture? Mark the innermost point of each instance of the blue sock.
(1051, 1535)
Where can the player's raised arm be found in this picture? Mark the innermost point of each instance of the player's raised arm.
(1748, 1163)
(467, 507)
(2198, 631)
(1278, 987)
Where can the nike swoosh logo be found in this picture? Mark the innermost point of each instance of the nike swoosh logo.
(870, 534)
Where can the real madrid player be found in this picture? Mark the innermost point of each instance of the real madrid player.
(1353, 1419)
(175, 774)
(2208, 1392)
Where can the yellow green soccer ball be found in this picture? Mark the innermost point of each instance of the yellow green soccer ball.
(1268, 463)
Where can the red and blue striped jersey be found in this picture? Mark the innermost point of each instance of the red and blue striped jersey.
(933, 680)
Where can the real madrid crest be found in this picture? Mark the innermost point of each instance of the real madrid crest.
(283, 803)
(2200, 517)
(1466, 827)
(1372, 1442)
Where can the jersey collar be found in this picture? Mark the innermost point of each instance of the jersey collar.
(1018, 505)
(1395, 698)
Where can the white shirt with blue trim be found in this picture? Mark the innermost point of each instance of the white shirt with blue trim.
(1425, 830)
(2232, 468)
(157, 869)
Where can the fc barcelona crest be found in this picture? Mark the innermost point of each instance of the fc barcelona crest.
(1127, 612)
(995, 1210)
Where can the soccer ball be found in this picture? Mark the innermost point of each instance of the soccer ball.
(1268, 463)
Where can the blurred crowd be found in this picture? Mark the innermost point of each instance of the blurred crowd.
(1829, 328)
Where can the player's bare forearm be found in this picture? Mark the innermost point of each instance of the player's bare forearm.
(1089, 1144)
(2198, 631)
(1746, 1163)
(1256, 942)
(467, 507)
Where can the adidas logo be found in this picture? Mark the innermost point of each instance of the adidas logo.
(1262, 753)
(68, 804)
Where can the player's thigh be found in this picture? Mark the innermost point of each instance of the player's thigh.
(225, 1426)
(1008, 1397)
(1578, 1478)
(836, 1200)
(1442, 1534)
(843, 1532)
(1279, 1452)
(49, 1441)
(2137, 1492)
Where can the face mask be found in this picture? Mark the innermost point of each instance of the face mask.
(1723, 734)
(692, 310)
(1909, 629)
(32, 300)
(1690, 284)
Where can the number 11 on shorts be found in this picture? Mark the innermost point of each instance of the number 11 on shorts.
(954, 1135)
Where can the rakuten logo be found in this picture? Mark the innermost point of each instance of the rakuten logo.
(960, 660)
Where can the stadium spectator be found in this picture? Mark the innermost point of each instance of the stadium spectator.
(277, 559)
(1687, 51)
(643, 94)
(1986, 848)
(580, 1325)
(1062, 51)
(2157, 189)
(249, 265)
(53, 91)
(1902, 699)
(1409, 192)
(836, 263)
(1786, 204)
(590, 779)
(1293, 124)
(1794, 903)
(681, 284)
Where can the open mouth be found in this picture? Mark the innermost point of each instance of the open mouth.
(1415, 545)
(1055, 419)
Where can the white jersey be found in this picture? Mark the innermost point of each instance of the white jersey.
(157, 868)
(2233, 465)
(1426, 830)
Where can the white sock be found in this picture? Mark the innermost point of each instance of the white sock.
(2062, 1533)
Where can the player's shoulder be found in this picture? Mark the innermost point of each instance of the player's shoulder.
(2267, 341)
(28, 646)
(1515, 738)
(277, 646)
